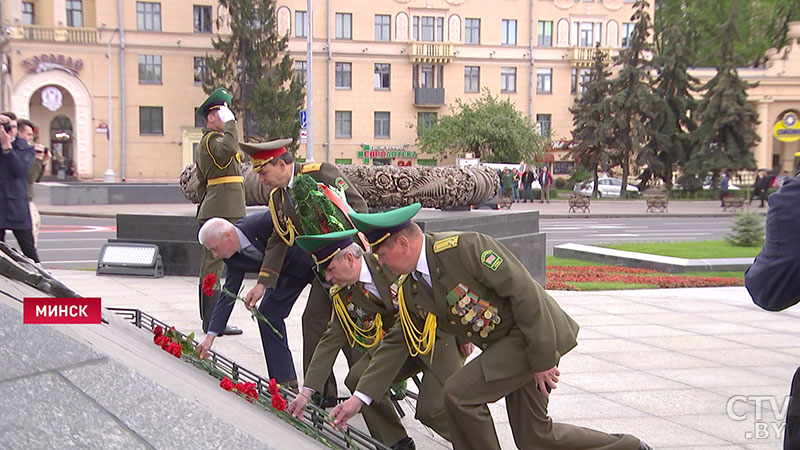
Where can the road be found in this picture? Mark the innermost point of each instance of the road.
(75, 242)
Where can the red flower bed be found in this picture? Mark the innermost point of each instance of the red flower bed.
(559, 277)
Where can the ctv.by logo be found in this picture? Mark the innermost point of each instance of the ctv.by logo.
(769, 414)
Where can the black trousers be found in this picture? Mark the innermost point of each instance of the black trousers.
(25, 241)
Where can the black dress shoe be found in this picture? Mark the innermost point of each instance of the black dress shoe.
(643, 445)
(231, 330)
(405, 444)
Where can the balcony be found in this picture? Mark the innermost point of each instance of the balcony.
(584, 56)
(53, 34)
(430, 52)
(425, 96)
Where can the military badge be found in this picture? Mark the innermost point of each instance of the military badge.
(444, 244)
(341, 184)
(474, 312)
(491, 259)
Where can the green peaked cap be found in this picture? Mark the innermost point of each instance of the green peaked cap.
(324, 246)
(217, 98)
(379, 226)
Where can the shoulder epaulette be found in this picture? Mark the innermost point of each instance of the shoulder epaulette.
(444, 244)
(313, 167)
(334, 289)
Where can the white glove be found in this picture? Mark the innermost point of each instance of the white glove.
(225, 114)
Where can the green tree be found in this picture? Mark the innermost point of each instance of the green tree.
(493, 129)
(591, 118)
(727, 130)
(255, 67)
(671, 141)
(762, 24)
(632, 100)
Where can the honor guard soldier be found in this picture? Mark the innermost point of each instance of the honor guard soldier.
(363, 304)
(277, 169)
(220, 185)
(471, 286)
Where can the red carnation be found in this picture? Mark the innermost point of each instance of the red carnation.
(176, 349)
(166, 343)
(158, 331)
(209, 282)
(278, 402)
(273, 387)
(159, 340)
(239, 387)
(226, 384)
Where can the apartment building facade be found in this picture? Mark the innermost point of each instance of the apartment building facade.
(379, 69)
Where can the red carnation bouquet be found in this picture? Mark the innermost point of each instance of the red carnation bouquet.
(210, 287)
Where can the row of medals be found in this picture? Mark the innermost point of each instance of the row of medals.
(472, 309)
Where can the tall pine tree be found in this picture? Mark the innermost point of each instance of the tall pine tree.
(632, 100)
(255, 67)
(727, 130)
(590, 119)
(671, 142)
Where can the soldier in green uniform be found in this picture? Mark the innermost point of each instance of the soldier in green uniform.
(220, 184)
(471, 286)
(363, 310)
(277, 169)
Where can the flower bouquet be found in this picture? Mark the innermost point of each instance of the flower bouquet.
(210, 287)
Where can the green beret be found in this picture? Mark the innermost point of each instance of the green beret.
(379, 226)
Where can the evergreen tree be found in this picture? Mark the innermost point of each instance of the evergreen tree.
(632, 100)
(591, 117)
(671, 142)
(727, 130)
(255, 67)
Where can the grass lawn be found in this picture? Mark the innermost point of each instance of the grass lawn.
(688, 250)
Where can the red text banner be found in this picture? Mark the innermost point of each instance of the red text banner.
(65, 310)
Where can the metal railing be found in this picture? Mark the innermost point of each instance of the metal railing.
(425, 96)
(53, 34)
(584, 56)
(431, 52)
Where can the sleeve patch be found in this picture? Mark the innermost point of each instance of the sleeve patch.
(491, 259)
(444, 244)
(341, 184)
(314, 167)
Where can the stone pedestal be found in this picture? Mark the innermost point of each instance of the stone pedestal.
(176, 236)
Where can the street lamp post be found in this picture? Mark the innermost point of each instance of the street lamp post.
(109, 176)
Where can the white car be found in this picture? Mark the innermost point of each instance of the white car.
(606, 187)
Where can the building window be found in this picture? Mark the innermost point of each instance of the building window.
(472, 79)
(545, 33)
(472, 31)
(573, 81)
(627, 33)
(74, 13)
(344, 26)
(508, 79)
(148, 16)
(383, 76)
(344, 75)
(27, 13)
(343, 161)
(202, 19)
(344, 124)
(150, 69)
(382, 125)
(151, 120)
(301, 24)
(300, 70)
(425, 120)
(383, 27)
(543, 122)
(200, 70)
(431, 29)
(509, 36)
(544, 81)
(586, 37)
(586, 76)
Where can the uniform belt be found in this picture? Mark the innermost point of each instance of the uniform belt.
(228, 179)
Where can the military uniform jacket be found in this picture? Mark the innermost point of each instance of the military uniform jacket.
(216, 158)
(287, 220)
(525, 329)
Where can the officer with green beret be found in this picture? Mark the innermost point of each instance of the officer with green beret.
(277, 169)
(364, 309)
(471, 286)
(220, 184)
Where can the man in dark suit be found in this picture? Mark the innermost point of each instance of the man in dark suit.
(16, 158)
(773, 280)
(242, 248)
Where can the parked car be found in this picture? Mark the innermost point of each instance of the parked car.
(606, 187)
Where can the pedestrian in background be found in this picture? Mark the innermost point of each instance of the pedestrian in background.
(26, 129)
(527, 181)
(16, 159)
(517, 178)
(545, 179)
(760, 187)
(724, 182)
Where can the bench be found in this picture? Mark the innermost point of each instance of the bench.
(657, 202)
(579, 202)
(732, 203)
